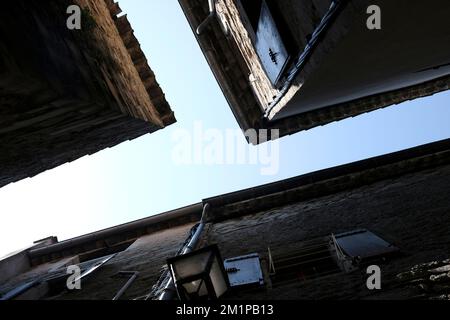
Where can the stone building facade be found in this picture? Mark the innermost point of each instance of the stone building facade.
(294, 226)
(66, 93)
(294, 65)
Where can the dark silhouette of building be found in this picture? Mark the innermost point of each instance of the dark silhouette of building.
(294, 65)
(66, 93)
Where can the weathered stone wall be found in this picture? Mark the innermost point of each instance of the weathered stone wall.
(69, 93)
(401, 197)
(412, 212)
(147, 256)
(295, 20)
(240, 31)
(232, 63)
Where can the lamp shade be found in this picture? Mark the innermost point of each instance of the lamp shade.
(199, 275)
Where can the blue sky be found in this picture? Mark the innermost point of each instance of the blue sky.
(139, 178)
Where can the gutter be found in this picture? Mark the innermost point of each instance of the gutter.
(172, 215)
(420, 157)
(169, 290)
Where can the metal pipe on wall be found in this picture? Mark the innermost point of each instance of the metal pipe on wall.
(212, 14)
(134, 275)
(169, 290)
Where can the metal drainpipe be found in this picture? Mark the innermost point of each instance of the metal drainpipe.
(134, 275)
(169, 290)
(212, 14)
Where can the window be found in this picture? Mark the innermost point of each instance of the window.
(253, 10)
(310, 259)
(359, 247)
(327, 255)
(268, 41)
(57, 280)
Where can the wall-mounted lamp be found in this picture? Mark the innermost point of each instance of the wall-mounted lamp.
(199, 275)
